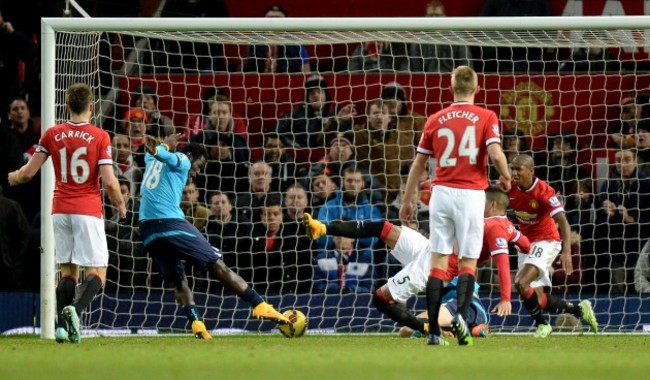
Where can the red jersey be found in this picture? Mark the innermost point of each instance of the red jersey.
(535, 208)
(77, 150)
(457, 137)
(498, 232)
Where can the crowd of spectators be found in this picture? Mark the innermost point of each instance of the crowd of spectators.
(336, 162)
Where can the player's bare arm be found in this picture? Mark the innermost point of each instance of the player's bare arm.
(27, 171)
(565, 234)
(501, 164)
(112, 187)
(409, 201)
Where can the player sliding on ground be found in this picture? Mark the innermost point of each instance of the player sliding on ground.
(413, 250)
(170, 239)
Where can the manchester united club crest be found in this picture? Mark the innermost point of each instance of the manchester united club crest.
(527, 108)
(533, 204)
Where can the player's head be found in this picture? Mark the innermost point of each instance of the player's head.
(464, 82)
(523, 170)
(79, 99)
(198, 157)
(496, 201)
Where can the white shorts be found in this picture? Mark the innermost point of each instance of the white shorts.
(414, 252)
(542, 254)
(80, 239)
(456, 216)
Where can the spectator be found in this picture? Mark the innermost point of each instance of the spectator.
(285, 170)
(295, 203)
(643, 145)
(561, 171)
(591, 59)
(23, 128)
(128, 260)
(438, 58)
(282, 262)
(182, 56)
(323, 189)
(11, 158)
(342, 155)
(16, 48)
(343, 269)
(642, 270)
(581, 207)
(14, 240)
(352, 203)
(229, 231)
(123, 163)
(383, 150)
(221, 171)
(404, 120)
(220, 121)
(195, 213)
(197, 123)
(277, 58)
(379, 56)
(517, 59)
(250, 203)
(621, 134)
(623, 221)
(305, 126)
(145, 97)
(135, 126)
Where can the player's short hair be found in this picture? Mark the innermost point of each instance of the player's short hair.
(195, 150)
(464, 80)
(78, 97)
(526, 160)
(493, 193)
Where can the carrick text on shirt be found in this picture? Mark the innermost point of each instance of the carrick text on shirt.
(74, 134)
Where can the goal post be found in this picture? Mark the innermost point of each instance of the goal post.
(539, 104)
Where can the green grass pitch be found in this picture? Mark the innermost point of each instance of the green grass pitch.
(334, 357)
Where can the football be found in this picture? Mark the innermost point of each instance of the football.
(298, 324)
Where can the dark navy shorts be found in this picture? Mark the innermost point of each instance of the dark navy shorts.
(475, 313)
(172, 242)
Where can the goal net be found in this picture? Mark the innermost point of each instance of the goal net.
(246, 87)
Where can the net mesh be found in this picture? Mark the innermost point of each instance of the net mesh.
(547, 91)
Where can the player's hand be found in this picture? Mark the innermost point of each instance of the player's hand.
(503, 308)
(407, 211)
(122, 209)
(172, 140)
(567, 263)
(13, 178)
(504, 184)
(150, 143)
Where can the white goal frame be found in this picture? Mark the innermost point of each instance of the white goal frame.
(50, 26)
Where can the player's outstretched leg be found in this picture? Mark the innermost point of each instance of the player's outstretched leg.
(462, 332)
(588, 315)
(72, 321)
(266, 311)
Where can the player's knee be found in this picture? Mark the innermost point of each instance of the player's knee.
(521, 285)
(380, 301)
